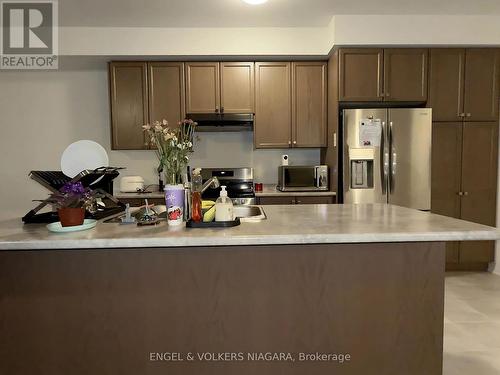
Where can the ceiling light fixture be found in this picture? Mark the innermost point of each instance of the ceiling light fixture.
(255, 2)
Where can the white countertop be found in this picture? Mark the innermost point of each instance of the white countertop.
(285, 224)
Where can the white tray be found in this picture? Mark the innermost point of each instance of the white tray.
(58, 228)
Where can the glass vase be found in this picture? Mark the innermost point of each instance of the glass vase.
(171, 177)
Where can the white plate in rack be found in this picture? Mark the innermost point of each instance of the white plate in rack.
(82, 155)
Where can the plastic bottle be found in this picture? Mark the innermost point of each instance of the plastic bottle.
(224, 207)
(197, 183)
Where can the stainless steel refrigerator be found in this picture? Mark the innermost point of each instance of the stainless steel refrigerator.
(387, 156)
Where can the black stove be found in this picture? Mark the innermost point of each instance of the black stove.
(238, 182)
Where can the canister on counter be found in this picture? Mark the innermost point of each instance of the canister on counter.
(174, 199)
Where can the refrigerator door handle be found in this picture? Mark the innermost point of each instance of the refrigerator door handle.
(392, 161)
(384, 170)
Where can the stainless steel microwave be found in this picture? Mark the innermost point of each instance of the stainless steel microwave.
(302, 178)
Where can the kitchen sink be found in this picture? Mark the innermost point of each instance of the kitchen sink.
(249, 213)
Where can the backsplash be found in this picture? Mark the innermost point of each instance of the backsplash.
(224, 150)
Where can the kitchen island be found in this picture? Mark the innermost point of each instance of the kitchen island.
(314, 289)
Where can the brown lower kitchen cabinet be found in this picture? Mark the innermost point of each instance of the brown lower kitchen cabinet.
(129, 104)
(137, 202)
(310, 199)
(464, 184)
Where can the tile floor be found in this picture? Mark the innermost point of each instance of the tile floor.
(472, 324)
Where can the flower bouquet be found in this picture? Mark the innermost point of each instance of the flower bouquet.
(172, 147)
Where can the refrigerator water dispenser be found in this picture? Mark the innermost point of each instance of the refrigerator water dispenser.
(361, 162)
(361, 174)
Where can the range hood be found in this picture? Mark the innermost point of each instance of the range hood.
(222, 122)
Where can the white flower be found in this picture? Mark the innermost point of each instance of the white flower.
(146, 127)
(190, 144)
(165, 122)
(158, 128)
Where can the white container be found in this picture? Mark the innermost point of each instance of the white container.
(131, 184)
(224, 207)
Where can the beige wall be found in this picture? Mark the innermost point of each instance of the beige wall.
(43, 112)
(285, 41)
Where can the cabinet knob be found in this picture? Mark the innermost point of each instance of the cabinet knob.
(294, 142)
(468, 115)
(221, 109)
(387, 94)
(466, 193)
(298, 202)
(216, 109)
(289, 142)
(460, 193)
(293, 201)
(461, 114)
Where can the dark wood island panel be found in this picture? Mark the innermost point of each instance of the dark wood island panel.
(104, 311)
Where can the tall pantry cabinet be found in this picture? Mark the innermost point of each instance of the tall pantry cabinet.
(464, 96)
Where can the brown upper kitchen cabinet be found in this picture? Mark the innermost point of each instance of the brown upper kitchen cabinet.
(273, 124)
(309, 104)
(166, 92)
(360, 74)
(446, 83)
(290, 104)
(237, 87)
(481, 98)
(202, 87)
(226, 87)
(464, 84)
(129, 104)
(391, 74)
(405, 74)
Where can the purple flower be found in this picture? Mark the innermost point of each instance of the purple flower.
(75, 188)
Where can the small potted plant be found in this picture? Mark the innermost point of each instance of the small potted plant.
(71, 201)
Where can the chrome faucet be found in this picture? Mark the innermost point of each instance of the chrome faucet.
(214, 182)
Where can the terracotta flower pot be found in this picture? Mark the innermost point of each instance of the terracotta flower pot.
(71, 217)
